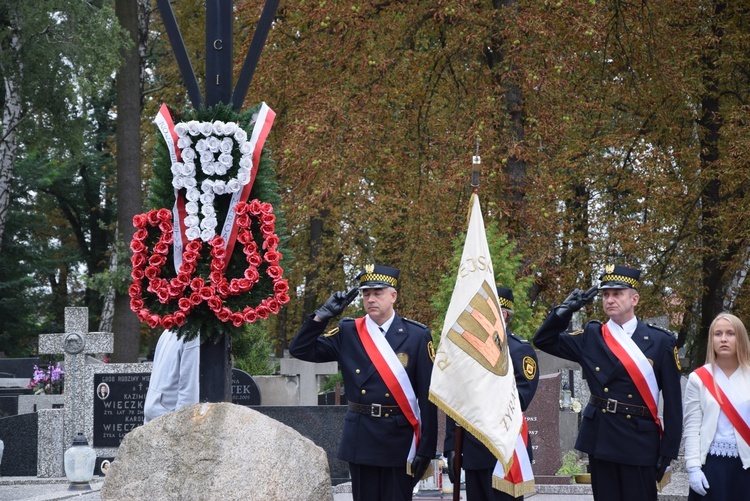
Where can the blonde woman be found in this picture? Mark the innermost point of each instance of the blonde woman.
(717, 415)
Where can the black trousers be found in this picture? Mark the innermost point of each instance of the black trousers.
(727, 480)
(622, 482)
(479, 487)
(379, 483)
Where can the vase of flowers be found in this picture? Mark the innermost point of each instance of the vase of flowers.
(49, 381)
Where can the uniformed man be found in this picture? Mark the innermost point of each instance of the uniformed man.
(390, 430)
(477, 460)
(626, 363)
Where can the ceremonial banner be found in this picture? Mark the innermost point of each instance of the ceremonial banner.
(472, 379)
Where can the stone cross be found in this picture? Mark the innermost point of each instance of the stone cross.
(76, 340)
(308, 372)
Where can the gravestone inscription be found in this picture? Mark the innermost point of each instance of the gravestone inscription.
(244, 389)
(118, 406)
(543, 418)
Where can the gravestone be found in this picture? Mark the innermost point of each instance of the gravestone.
(543, 418)
(18, 368)
(308, 373)
(19, 434)
(244, 389)
(118, 406)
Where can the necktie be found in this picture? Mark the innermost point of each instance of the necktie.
(381, 330)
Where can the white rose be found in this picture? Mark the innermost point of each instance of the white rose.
(193, 195)
(192, 220)
(189, 182)
(193, 127)
(207, 234)
(243, 176)
(220, 168)
(219, 187)
(226, 159)
(208, 168)
(246, 148)
(218, 128)
(213, 143)
(177, 182)
(230, 128)
(176, 168)
(192, 233)
(205, 128)
(240, 135)
(201, 146)
(226, 145)
(181, 129)
(184, 142)
(207, 157)
(187, 169)
(191, 208)
(208, 210)
(188, 155)
(233, 186)
(207, 186)
(209, 222)
(246, 162)
(207, 198)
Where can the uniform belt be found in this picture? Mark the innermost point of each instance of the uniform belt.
(375, 410)
(612, 405)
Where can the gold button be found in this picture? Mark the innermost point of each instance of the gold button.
(387, 395)
(387, 415)
(606, 390)
(630, 396)
(597, 369)
(628, 416)
(604, 411)
(357, 371)
(364, 391)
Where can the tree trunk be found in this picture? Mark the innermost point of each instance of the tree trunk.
(126, 326)
(12, 113)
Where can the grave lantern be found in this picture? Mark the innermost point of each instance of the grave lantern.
(79, 464)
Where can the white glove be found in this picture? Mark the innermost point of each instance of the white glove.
(698, 481)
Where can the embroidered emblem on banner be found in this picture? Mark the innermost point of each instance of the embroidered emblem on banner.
(479, 331)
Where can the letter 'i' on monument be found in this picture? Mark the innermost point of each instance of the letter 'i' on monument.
(198, 269)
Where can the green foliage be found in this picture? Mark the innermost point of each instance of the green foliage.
(570, 464)
(330, 384)
(507, 264)
(252, 349)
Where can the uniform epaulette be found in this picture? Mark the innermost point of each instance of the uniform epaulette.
(415, 323)
(656, 327)
(517, 337)
(331, 332)
(576, 333)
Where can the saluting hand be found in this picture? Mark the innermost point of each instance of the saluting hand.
(336, 304)
(576, 300)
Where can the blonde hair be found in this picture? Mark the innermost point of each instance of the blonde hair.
(740, 335)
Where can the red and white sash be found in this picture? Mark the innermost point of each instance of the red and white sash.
(519, 479)
(262, 127)
(395, 377)
(636, 364)
(727, 400)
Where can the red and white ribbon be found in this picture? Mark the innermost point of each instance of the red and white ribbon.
(519, 479)
(724, 395)
(394, 375)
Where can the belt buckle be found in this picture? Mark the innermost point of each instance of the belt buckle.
(611, 405)
(375, 410)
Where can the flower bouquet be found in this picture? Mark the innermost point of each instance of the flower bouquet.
(48, 382)
(210, 171)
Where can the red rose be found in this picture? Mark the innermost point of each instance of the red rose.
(179, 318)
(272, 256)
(243, 221)
(206, 293)
(197, 284)
(137, 246)
(137, 260)
(190, 257)
(217, 241)
(254, 259)
(251, 274)
(267, 230)
(262, 311)
(244, 237)
(153, 217)
(167, 322)
(194, 246)
(237, 319)
(140, 220)
(281, 287)
(166, 227)
(136, 304)
(215, 303)
(223, 289)
(219, 253)
(282, 298)
(183, 279)
(164, 214)
(245, 284)
(224, 314)
(161, 248)
(167, 237)
(240, 208)
(250, 315)
(266, 207)
(153, 321)
(234, 287)
(254, 207)
(195, 299)
(271, 242)
(185, 304)
(217, 265)
(152, 272)
(163, 295)
(275, 271)
(268, 219)
(137, 274)
(157, 260)
(140, 234)
(273, 306)
(216, 277)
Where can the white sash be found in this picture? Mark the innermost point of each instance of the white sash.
(635, 353)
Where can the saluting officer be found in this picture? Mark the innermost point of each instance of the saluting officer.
(626, 363)
(390, 429)
(477, 460)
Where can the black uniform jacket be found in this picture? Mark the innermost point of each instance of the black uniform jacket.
(475, 455)
(367, 440)
(619, 437)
